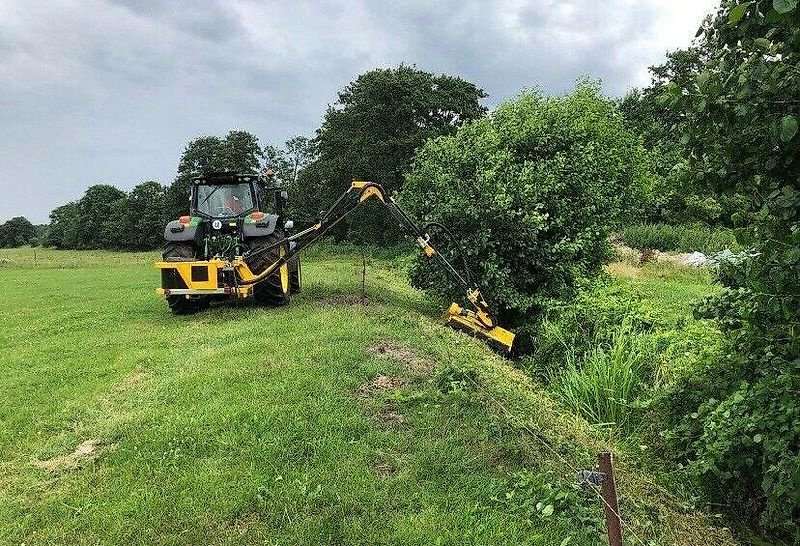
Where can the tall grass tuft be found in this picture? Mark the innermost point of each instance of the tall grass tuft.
(601, 383)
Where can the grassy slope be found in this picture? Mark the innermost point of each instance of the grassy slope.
(239, 425)
(671, 289)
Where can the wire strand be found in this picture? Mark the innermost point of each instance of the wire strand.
(595, 488)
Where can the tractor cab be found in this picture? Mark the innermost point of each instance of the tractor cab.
(227, 195)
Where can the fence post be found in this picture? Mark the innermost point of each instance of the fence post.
(363, 277)
(605, 461)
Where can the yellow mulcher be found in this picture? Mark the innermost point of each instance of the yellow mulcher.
(228, 248)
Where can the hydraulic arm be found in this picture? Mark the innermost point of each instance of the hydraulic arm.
(477, 321)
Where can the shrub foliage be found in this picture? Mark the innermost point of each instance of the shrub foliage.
(531, 193)
(742, 435)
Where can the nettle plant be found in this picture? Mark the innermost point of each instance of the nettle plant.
(742, 435)
(531, 193)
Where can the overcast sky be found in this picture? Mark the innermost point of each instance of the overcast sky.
(112, 90)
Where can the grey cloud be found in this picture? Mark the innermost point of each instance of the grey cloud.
(112, 90)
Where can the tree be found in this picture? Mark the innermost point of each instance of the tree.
(378, 121)
(238, 151)
(277, 159)
(137, 221)
(16, 232)
(530, 194)
(290, 163)
(94, 210)
(287, 162)
(299, 152)
(741, 110)
(675, 195)
(64, 228)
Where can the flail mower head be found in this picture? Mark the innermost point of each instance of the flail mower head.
(480, 324)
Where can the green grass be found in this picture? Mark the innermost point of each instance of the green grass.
(601, 384)
(241, 425)
(624, 339)
(670, 290)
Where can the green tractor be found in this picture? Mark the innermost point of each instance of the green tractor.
(232, 217)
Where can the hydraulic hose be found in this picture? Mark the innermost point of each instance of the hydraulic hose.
(459, 249)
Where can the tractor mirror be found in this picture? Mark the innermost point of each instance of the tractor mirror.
(280, 200)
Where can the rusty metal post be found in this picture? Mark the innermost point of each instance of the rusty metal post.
(611, 507)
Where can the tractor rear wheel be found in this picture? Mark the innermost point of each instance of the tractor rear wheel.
(275, 289)
(181, 305)
(178, 251)
(295, 274)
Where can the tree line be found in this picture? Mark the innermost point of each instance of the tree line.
(372, 131)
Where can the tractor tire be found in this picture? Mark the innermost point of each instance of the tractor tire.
(295, 275)
(181, 305)
(178, 252)
(275, 290)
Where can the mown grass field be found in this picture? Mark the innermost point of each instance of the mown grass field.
(329, 421)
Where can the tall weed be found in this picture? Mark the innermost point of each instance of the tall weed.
(601, 383)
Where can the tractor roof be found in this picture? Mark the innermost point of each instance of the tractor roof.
(224, 178)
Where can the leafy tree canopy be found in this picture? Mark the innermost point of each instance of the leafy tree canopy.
(741, 110)
(378, 121)
(531, 193)
(16, 232)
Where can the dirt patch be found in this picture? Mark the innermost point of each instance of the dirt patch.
(130, 381)
(391, 418)
(387, 416)
(85, 452)
(242, 523)
(344, 299)
(385, 470)
(380, 383)
(404, 355)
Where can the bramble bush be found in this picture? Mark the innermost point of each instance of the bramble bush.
(531, 193)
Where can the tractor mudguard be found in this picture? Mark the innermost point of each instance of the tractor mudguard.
(261, 228)
(175, 231)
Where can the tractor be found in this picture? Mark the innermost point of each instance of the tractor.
(229, 247)
(227, 220)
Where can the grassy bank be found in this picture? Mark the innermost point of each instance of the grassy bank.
(331, 420)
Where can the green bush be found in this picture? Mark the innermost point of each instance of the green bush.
(683, 238)
(735, 422)
(531, 193)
